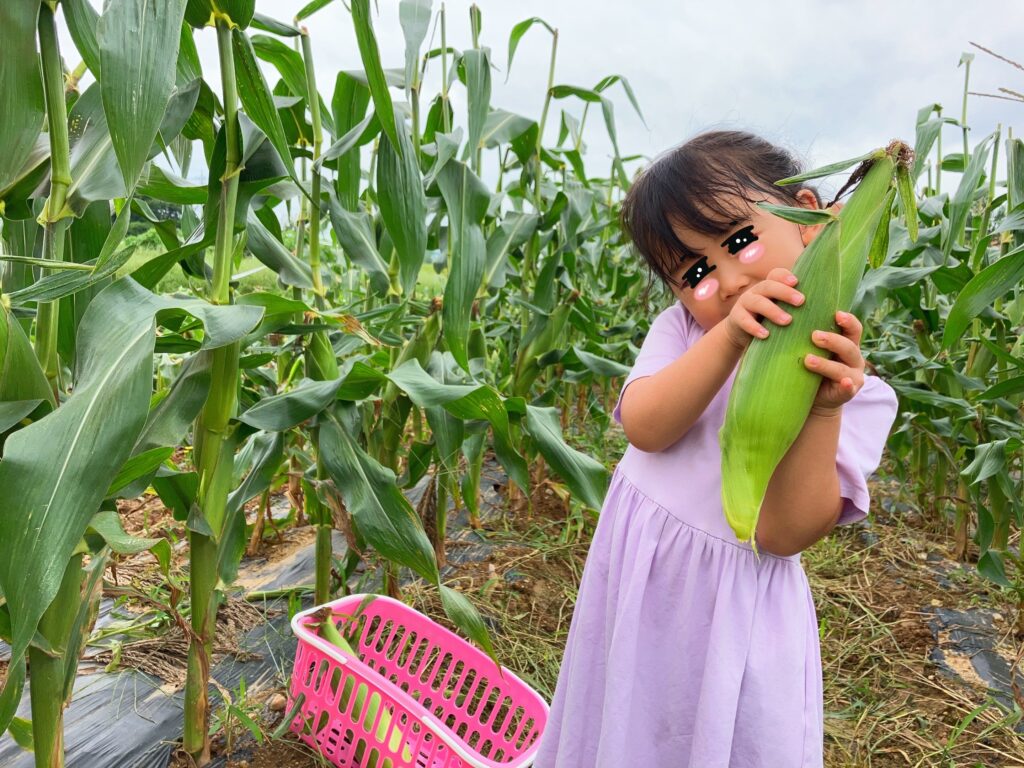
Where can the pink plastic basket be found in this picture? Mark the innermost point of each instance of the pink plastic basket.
(432, 700)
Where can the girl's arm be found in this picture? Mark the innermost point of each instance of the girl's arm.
(802, 504)
(658, 410)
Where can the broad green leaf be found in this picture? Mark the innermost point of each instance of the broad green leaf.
(138, 43)
(799, 215)
(600, 366)
(262, 244)
(257, 98)
(354, 230)
(284, 411)
(274, 26)
(289, 63)
(466, 402)
(67, 282)
(139, 465)
(83, 21)
(826, 170)
(370, 54)
(586, 478)
(379, 509)
(21, 378)
(414, 16)
(21, 88)
(477, 62)
(960, 205)
(310, 8)
(47, 507)
(994, 281)
(13, 411)
(403, 206)
(514, 230)
(466, 617)
(516, 35)
(501, 127)
(466, 198)
(348, 105)
(10, 696)
(163, 185)
(107, 524)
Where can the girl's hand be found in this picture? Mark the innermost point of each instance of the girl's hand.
(756, 303)
(843, 377)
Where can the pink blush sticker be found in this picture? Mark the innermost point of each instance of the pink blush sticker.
(708, 287)
(751, 253)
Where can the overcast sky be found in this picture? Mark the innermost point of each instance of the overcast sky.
(826, 79)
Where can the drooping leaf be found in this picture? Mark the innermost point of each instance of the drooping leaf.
(21, 88)
(403, 206)
(138, 43)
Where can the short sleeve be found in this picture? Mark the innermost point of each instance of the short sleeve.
(863, 432)
(667, 339)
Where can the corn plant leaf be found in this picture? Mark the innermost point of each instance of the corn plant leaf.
(826, 170)
(466, 198)
(107, 525)
(586, 478)
(21, 88)
(83, 20)
(403, 206)
(138, 43)
(960, 204)
(266, 451)
(514, 230)
(258, 101)
(354, 230)
(262, 244)
(274, 26)
(288, 62)
(414, 16)
(95, 174)
(379, 509)
(473, 401)
(502, 127)
(984, 288)
(799, 215)
(46, 507)
(284, 411)
(10, 696)
(163, 185)
(137, 466)
(516, 35)
(13, 411)
(348, 105)
(370, 54)
(477, 64)
(466, 617)
(67, 282)
(310, 8)
(21, 378)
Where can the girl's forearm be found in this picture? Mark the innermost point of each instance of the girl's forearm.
(802, 503)
(658, 410)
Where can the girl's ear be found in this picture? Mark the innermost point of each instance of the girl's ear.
(807, 199)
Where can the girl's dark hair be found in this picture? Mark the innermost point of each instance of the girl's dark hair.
(707, 169)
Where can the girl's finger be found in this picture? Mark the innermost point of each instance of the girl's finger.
(834, 370)
(845, 348)
(851, 327)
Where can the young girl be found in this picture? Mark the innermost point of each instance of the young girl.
(685, 650)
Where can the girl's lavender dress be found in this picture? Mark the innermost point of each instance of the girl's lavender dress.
(684, 651)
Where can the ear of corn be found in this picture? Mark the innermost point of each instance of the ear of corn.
(773, 391)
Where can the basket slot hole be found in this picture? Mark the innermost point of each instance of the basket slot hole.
(321, 722)
(359, 702)
(320, 675)
(384, 635)
(461, 730)
(440, 676)
(483, 691)
(473, 739)
(417, 657)
(439, 711)
(486, 747)
(452, 683)
(410, 642)
(490, 706)
(310, 669)
(524, 732)
(393, 646)
(498, 723)
(513, 724)
(499, 755)
(450, 720)
(371, 631)
(435, 653)
(467, 687)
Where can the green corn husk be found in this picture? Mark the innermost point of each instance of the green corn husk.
(773, 391)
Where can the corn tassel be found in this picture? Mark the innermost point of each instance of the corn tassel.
(773, 391)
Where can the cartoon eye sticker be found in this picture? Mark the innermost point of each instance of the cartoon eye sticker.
(744, 244)
(696, 274)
